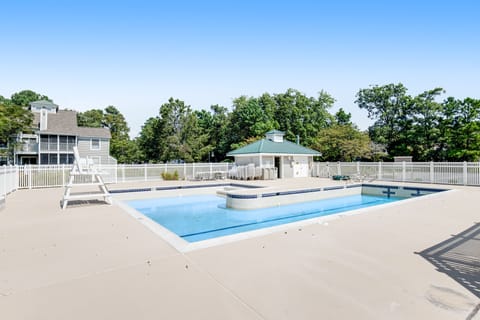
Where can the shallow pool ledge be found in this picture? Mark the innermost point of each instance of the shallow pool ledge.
(262, 198)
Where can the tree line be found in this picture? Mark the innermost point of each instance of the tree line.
(180, 133)
(421, 126)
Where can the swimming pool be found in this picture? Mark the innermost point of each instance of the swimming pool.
(197, 218)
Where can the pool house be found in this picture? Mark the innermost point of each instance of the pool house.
(291, 160)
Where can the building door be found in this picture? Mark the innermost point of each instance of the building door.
(300, 167)
(278, 163)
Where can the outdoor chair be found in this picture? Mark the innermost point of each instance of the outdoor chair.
(83, 169)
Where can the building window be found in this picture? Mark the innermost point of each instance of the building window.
(67, 143)
(53, 143)
(66, 158)
(95, 144)
(50, 158)
(49, 143)
(53, 158)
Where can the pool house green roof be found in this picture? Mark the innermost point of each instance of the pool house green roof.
(266, 146)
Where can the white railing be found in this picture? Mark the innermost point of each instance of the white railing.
(457, 173)
(8, 182)
(42, 176)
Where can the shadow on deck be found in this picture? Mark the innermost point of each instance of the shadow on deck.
(459, 258)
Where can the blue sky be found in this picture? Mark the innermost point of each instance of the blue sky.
(137, 54)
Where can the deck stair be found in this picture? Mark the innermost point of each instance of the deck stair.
(84, 169)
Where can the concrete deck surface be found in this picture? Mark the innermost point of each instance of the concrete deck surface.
(97, 262)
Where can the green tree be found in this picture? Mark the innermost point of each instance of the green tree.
(248, 120)
(302, 116)
(341, 142)
(343, 118)
(127, 151)
(14, 119)
(291, 112)
(422, 127)
(461, 127)
(215, 125)
(91, 118)
(426, 117)
(220, 137)
(390, 107)
(115, 121)
(121, 147)
(175, 134)
(24, 97)
(148, 140)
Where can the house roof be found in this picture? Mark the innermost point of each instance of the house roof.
(275, 132)
(65, 122)
(270, 147)
(44, 103)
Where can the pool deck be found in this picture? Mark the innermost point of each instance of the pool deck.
(95, 261)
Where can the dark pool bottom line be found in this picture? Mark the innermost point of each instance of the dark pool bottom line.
(301, 216)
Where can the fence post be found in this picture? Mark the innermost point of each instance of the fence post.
(184, 171)
(5, 180)
(29, 176)
(379, 174)
(116, 172)
(432, 172)
(465, 173)
(63, 174)
(145, 171)
(339, 168)
(193, 170)
(17, 177)
(123, 172)
(8, 178)
(11, 174)
(404, 171)
(358, 168)
(13, 179)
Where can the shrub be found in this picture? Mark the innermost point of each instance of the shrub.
(170, 176)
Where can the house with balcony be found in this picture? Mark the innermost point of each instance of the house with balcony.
(55, 133)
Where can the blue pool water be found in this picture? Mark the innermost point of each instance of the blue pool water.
(197, 218)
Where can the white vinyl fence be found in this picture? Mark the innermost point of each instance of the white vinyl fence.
(457, 173)
(42, 176)
(8, 182)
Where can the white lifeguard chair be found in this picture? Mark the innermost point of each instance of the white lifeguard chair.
(82, 168)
